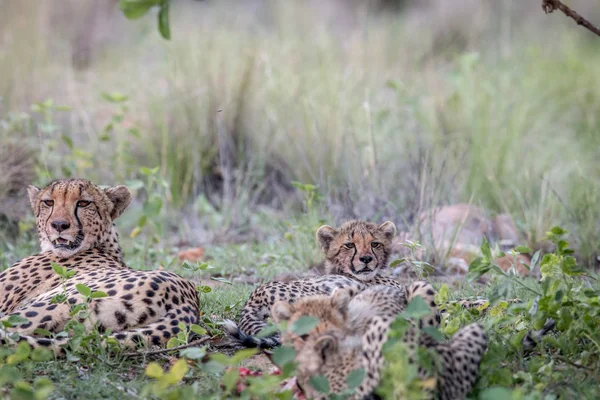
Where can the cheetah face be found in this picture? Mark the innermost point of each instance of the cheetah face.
(75, 215)
(359, 249)
(325, 348)
(316, 347)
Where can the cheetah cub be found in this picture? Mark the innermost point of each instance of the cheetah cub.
(350, 335)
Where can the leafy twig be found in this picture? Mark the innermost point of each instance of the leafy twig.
(551, 5)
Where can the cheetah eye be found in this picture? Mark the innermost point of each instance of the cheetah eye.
(375, 245)
(304, 337)
(349, 245)
(83, 203)
(49, 203)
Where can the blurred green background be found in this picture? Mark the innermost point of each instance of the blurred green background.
(387, 107)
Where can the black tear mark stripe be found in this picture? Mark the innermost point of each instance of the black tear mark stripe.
(79, 225)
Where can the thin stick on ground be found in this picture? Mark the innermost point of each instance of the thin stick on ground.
(161, 351)
(551, 5)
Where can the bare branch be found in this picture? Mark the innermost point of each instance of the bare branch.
(551, 5)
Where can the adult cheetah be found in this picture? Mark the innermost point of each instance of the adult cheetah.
(74, 220)
(350, 335)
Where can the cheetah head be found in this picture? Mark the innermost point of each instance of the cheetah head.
(359, 249)
(74, 215)
(327, 349)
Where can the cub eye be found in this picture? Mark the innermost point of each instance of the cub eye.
(83, 203)
(49, 203)
(349, 245)
(304, 337)
(375, 245)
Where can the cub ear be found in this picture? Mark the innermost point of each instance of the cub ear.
(325, 235)
(33, 192)
(282, 311)
(340, 297)
(120, 196)
(388, 229)
(326, 346)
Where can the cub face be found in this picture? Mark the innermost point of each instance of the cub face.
(319, 346)
(74, 215)
(358, 248)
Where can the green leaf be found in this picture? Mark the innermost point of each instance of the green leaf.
(355, 378)
(84, 290)
(153, 370)
(523, 249)
(417, 308)
(134, 9)
(220, 279)
(283, 355)
(396, 262)
(42, 332)
(319, 383)
(496, 393)
(68, 141)
(242, 355)
(193, 353)
(163, 21)
(434, 333)
(485, 249)
(304, 325)
(15, 320)
(98, 294)
(557, 230)
(198, 330)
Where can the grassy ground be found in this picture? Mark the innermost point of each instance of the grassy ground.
(387, 112)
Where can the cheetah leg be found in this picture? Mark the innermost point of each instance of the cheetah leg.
(460, 362)
(426, 291)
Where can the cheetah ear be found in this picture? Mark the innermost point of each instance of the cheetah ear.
(325, 236)
(388, 229)
(120, 196)
(340, 297)
(282, 311)
(33, 192)
(326, 346)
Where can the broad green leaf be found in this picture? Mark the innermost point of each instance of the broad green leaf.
(396, 262)
(98, 294)
(417, 308)
(193, 353)
(319, 383)
(355, 378)
(242, 355)
(83, 289)
(198, 330)
(434, 333)
(304, 325)
(523, 249)
(485, 249)
(557, 230)
(15, 320)
(283, 355)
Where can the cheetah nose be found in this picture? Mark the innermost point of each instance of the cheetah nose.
(366, 259)
(60, 225)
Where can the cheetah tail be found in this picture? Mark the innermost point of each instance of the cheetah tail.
(249, 341)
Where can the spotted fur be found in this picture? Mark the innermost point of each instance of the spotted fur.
(356, 256)
(350, 335)
(76, 230)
